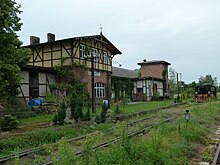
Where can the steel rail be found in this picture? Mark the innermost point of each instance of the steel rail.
(217, 154)
(27, 152)
(109, 142)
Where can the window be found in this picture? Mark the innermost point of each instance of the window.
(105, 57)
(99, 90)
(95, 54)
(82, 51)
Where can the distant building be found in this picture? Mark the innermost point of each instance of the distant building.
(149, 82)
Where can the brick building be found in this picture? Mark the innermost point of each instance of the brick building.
(149, 82)
(95, 52)
(44, 56)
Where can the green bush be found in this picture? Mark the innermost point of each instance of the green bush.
(55, 119)
(8, 122)
(87, 116)
(60, 115)
(117, 110)
(98, 119)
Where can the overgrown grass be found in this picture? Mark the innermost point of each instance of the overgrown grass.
(45, 136)
(168, 144)
(137, 107)
(171, 143)
(37, 119)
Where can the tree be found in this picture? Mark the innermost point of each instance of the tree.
(208, 80)
(172, 82)
(189, 89)
(12, 56)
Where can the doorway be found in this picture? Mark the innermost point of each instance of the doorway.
(33, 85)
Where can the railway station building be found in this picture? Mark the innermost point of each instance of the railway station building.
(150, 80)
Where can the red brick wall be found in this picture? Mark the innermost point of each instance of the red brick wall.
(152, 70)
(100, 77)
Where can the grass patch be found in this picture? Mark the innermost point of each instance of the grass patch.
(138, 107)
(168, 144)
(37, 119)
(45, 136)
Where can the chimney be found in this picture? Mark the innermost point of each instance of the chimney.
(34, 40)
(50, 37)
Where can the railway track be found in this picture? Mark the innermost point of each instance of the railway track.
(27, 153)
(115, 140)
(30, 153)
(216, 160)
(75, 139)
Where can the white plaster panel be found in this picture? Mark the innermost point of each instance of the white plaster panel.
(135, 84)
(160, 91)
(144, 90)
(42, 90)
(159, 84)
(25, 77)
(135, 90)
(42, 78)
(51, 78)
(139, 84)
(25, 90)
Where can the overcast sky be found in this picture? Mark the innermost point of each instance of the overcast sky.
(185, 33)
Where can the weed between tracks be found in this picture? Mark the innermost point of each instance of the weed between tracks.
(171, 143)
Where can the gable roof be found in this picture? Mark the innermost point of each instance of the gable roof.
(124, 73)
(100, 38)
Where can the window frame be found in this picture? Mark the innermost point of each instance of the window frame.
(82, 51)
(95, 54)
(99, 90)
(105, 57)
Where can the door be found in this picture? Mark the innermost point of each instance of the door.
(33, 85)
(155, 89)
(139, 94)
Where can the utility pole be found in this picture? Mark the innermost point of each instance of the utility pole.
(178, 92)
(181, 83)
(93, 85)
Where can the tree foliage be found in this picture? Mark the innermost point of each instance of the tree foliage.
(172, 82)
(208, 79)
(12, 56)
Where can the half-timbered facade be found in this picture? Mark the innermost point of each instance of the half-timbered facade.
(150, 82)
(77, 50)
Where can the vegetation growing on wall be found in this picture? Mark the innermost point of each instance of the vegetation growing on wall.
(121, 87)
(164, 72)
(69, 79)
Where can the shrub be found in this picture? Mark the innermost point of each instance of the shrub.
(60, 115)
(103, 113)
(117, 110)
(87, 116)
(55, 119)
(8, 122)
(98, 119)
